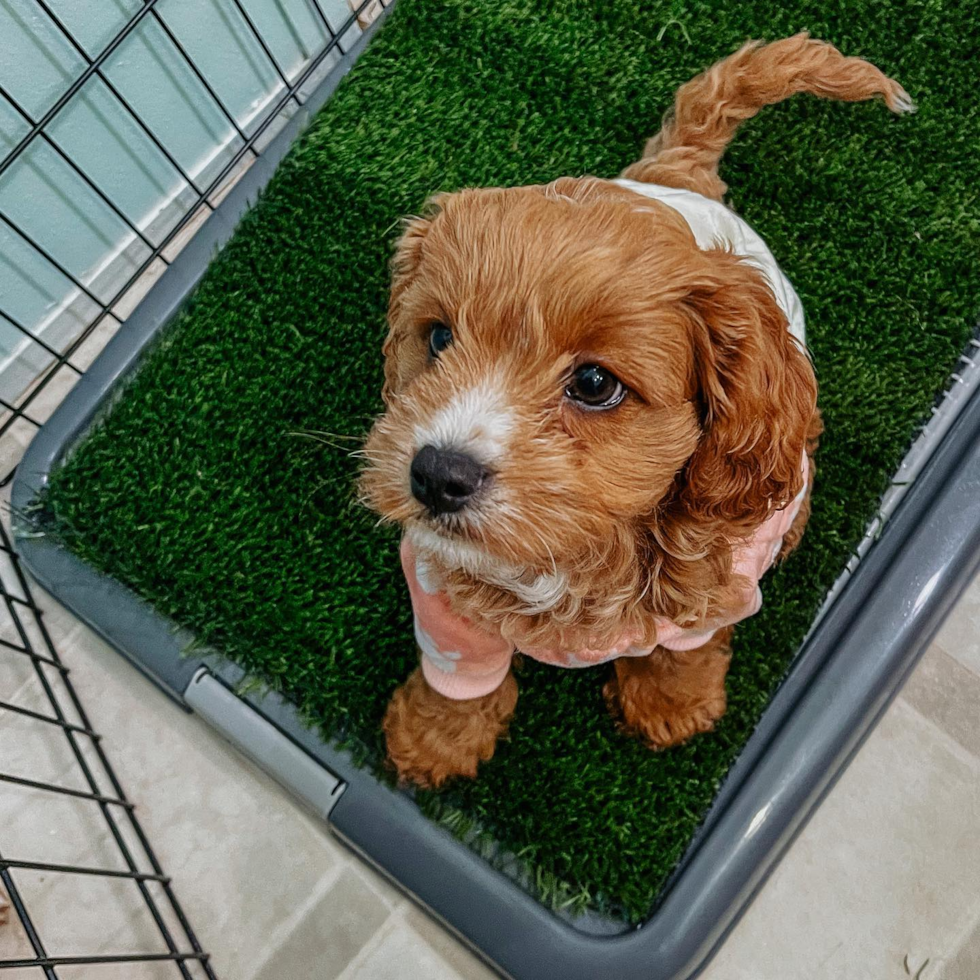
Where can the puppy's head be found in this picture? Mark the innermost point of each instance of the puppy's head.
(566, 369)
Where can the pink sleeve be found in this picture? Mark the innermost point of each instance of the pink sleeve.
(751, 560)
(459, 660)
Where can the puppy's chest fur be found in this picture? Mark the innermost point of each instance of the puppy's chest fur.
(557, 608)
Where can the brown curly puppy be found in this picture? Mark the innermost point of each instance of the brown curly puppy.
(599, 426)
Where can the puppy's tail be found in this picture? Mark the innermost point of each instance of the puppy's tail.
(710, 108)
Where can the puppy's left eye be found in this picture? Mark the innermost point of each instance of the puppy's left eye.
(593, 386)
(440, 337)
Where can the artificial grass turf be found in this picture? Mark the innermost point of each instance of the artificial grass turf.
(196, 492)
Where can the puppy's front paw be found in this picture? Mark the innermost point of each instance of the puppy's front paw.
(432, 738)
(668, 697)
(659, 723)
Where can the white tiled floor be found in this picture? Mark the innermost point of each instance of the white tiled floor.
(887, 872)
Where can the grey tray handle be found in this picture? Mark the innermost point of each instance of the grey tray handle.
(263, 743)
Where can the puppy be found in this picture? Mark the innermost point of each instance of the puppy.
(600, 418)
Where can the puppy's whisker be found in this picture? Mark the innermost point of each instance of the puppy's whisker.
(332, 435)
(316, 437)
(372, 454)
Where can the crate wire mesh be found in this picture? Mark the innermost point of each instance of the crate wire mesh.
(47, 697)
(102, 295)
(60, 796)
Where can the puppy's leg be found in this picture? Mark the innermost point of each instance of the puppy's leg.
(432, 738)
(710, 108)
(667, 697)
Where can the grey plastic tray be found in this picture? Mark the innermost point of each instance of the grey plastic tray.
(884, 611)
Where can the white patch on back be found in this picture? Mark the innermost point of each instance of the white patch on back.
(712, 224)
(476, 420)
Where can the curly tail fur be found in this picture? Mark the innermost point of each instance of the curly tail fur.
(709, 109)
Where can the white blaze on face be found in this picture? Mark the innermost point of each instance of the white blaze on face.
(479, 421)
(476, 420)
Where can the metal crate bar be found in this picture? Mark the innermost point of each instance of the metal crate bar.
(74, 280)
(23, 415)
(95, 67)
(198, 74)
(17, 325)
(38, 658)
(77, 869)
(323, 17)
(63, 790)
(257, 34)
(13, 893)
(103, 197)
(76, 85)
(39, 716)
(52, 961)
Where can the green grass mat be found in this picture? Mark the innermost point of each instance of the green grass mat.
(195, 493)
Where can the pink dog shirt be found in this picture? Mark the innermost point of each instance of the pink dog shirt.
(460, 660)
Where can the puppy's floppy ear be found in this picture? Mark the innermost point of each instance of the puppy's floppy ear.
(400, 357)
(757, 394)
(408, 255)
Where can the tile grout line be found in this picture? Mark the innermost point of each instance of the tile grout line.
(958, 690)
(955, 749)
(971, 929)
(395, 918)
(288, 925)
(369, 879)
(937, 639)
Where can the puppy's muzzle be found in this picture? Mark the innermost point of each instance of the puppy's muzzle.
(445, 480)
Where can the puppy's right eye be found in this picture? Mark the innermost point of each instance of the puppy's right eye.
(593, 387)
(440, 337)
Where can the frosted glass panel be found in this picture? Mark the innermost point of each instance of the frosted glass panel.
(10, 338)
(219, 41)
(113, 140)
(36, 294)
(156, 81)
(37, 64)
(292, 30)
(48, 201)
(337, 13)
(13, 127)
(115, 153)
(94, 23)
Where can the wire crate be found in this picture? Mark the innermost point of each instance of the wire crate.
(71, 835)
(85, 794)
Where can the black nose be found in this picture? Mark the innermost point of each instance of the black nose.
(445, 480)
